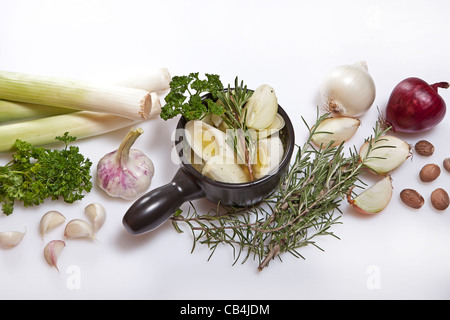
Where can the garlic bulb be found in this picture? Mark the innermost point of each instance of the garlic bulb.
(10, 239)
(205, 140)
(386, 154)
(373, 199)
(52, 251)
(224, 169)
(261, 108)
(270, 154)
(334, 131)
(50, 221)
(126, 172)
(349, 90)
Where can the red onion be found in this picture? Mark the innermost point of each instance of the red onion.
(415, 106)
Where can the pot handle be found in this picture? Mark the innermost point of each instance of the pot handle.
(155, 207)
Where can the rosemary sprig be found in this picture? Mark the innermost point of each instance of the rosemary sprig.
(238, 135)
(305, 205)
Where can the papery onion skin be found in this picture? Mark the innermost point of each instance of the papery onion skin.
(415, 106)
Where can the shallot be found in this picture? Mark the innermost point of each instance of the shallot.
(373, 199)
(386, 154)
(335, 130)
(415, 106)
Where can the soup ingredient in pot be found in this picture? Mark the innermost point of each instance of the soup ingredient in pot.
(52, 251)
(234, 115)
(349, 90)
(35, 174)
(415, 106)
(224, 169)
(125, 172)
(262, 108)
(10, 239)
(269, 155)
(205, 140)
(50, 221)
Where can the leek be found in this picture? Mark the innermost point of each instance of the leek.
(117, 100)
(81, 124)
(19, 111)
(15, 111)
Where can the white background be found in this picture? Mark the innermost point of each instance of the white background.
(399, 253)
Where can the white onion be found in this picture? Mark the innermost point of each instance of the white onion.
(349, 90)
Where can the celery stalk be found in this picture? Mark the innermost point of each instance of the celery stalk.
(118, 100)
(81, 124)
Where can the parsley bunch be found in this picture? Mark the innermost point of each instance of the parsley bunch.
(192, 108)
(36, 173)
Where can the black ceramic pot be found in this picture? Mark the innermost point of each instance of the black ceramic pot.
(157, 206)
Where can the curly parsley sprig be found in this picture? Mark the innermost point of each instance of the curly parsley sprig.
(191, 106)
(36, 173)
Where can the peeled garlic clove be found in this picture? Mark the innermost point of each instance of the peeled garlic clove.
(386, 154)
(261, 108)
(224, 169)
(52, 251)
(375, 198)
(96, 214)
(10, 239)
(50, 221)
(335, 131)
(78, 228)
(270, 154)
(205, 140)
(277, 124)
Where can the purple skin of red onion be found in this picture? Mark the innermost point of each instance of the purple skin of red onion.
(415, 106)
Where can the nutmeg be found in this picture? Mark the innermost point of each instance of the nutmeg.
(412, 198)
(429, 172)
(446, 164)
(439, 199)
(424, 148)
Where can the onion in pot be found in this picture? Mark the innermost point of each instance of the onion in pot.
(415, 106)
